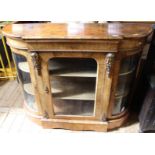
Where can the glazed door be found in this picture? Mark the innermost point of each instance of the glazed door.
(74, 85)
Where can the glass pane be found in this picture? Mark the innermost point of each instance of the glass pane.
(124, 84)
(24, 78)
(128, 64)
(73, 83)
(120, 105)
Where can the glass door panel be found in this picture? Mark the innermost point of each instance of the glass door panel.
(73, 83)
(124, 84)
(25, 79)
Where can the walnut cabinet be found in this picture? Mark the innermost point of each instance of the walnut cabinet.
(77, 76)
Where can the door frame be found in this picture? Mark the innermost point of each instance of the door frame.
(101, 101)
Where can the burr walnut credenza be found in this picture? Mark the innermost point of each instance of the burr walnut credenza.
(77, 76)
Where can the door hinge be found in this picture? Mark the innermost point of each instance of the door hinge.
(46, 90)
(46, 115)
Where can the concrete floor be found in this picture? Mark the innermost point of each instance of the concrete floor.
(14, 120)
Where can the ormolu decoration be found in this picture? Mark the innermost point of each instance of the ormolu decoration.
(37, 62)
(109, 62)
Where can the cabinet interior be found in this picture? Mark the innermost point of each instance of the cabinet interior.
(73, 84)
(75, 80)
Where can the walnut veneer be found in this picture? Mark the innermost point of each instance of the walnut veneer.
(78, 76)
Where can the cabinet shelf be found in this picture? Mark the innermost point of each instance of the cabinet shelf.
(75, 73)
(60, 71)
(73, 67)
(88, 96)
(59, 94)
(23, 66)
(127, 73)
(122, 95)
(69, 73)
(74, 88)
(29, 89)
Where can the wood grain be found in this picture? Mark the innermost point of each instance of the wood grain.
(76, 31)
(76, 41)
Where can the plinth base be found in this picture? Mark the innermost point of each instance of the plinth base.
(78, 124)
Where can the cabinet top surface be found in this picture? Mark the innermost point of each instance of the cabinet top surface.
(74, 30)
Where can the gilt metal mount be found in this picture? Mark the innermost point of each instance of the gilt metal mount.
(109, 62)
(36, 62)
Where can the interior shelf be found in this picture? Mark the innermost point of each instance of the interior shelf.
(66, 67)
(120, 105)
(81, 93)
(122, 95)
(23, 66)
(75, 73)
(81, 96)
(59, 70)
(127, 73)
(74, 88)
(29, 89)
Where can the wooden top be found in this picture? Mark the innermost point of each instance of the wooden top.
(75, 30)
